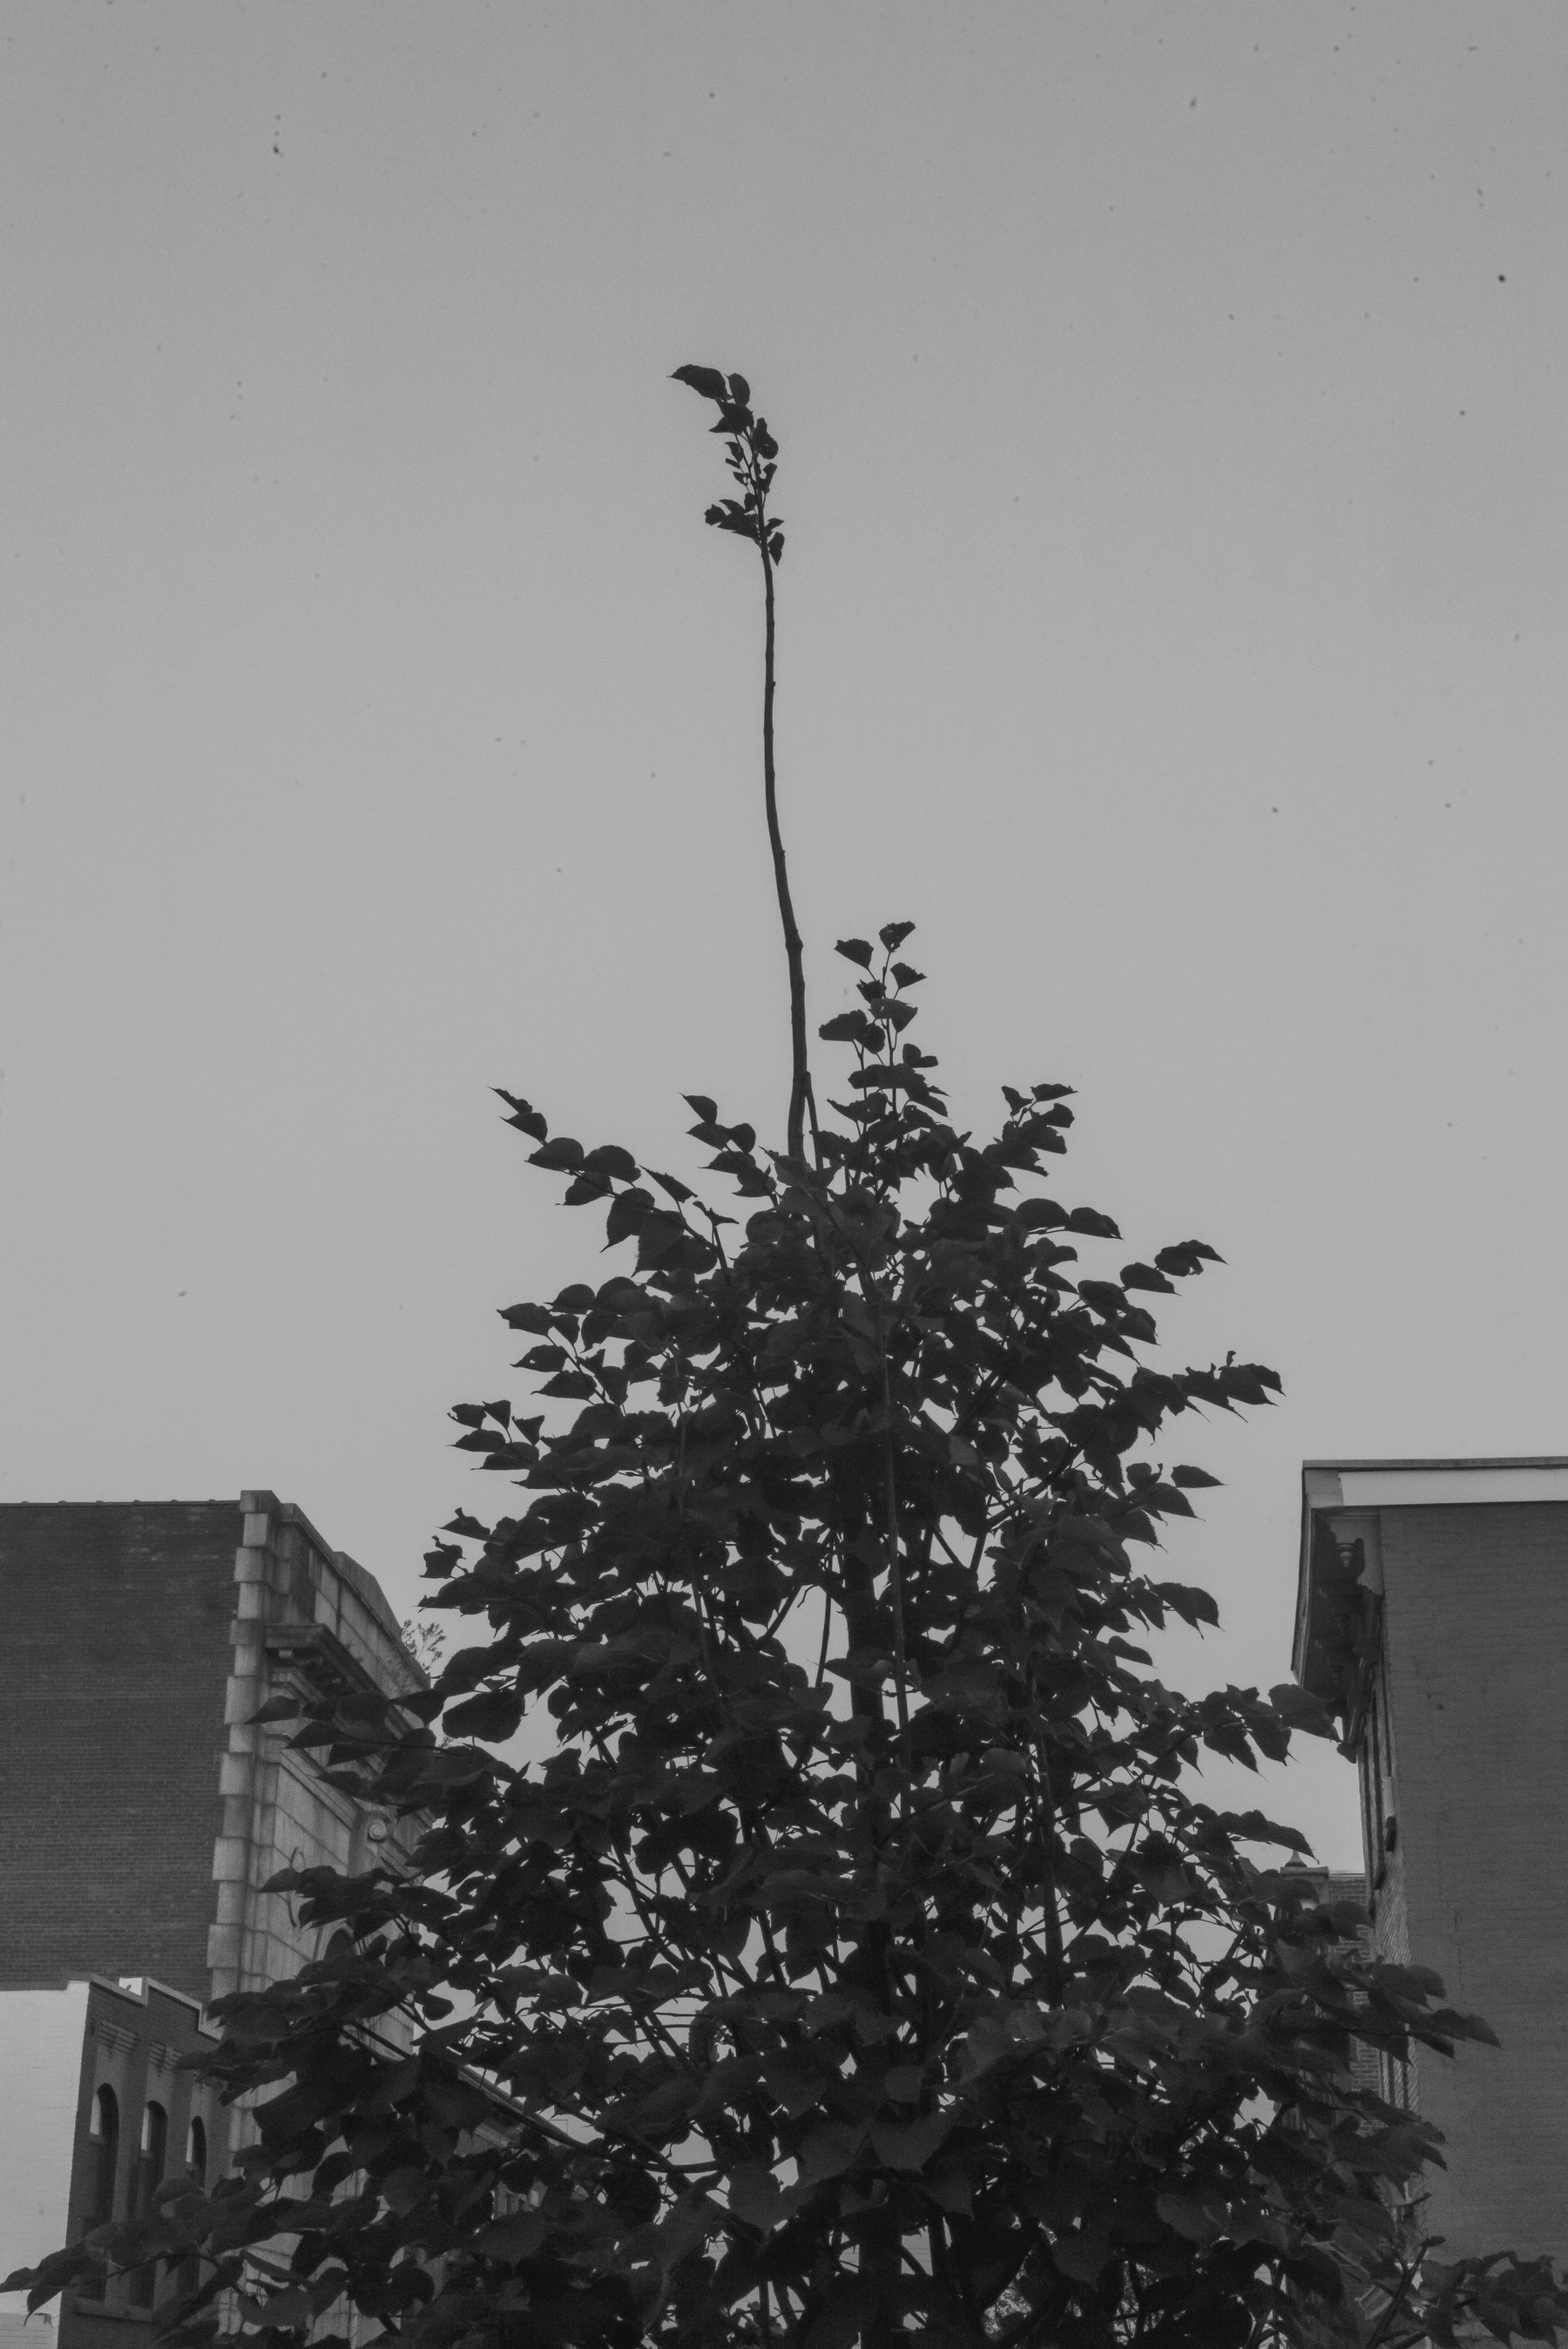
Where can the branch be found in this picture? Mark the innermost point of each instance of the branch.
(750, 450)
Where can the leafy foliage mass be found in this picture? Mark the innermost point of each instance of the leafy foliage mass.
(862, 1962)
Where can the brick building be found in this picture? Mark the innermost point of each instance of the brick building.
(141, 1814)
(1432, 1613)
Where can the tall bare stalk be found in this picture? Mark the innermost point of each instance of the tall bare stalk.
(751, 451)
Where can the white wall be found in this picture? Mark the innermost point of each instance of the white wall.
(18, 2332)
(42, 2033)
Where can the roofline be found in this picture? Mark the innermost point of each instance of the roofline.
(1482, 1460)
(260, 1500)
(1356, 1492)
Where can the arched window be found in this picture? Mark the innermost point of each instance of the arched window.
(196, 2172)
(154, 2154)
(103, 2162)
(103, 2134)
(150, 2163)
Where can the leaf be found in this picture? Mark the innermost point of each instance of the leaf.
(513, 2239)
(558, 1156)
(663, 2113)
(754, 2195)
(1188, 2216)
(1186, 1258)
(828, 2151)
(1143, 1276)
(1090, 1221)
(1194, 1605)
(1191, 1479)
(850, 2307)
(278, 1707)
(708, 381)
(611, 1159)
(909, 2145)
(893, 934)
(492, 1716)
(673, 1189)
(952, 2189)
(1303, 1710)
(628, 1215)
(855, 950)
(845, 1027)
(704, 1107)
(906, 975)
(1082, 2256)
(1247, 1381)
(524, 1115)
(511, 1455)
(532, 1318)
(740, 390)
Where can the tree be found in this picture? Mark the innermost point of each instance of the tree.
(863, 1961)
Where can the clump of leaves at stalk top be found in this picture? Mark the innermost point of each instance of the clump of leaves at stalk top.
(845, 1949)
(751, 453)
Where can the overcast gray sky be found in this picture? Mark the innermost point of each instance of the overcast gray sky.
(1171, 402)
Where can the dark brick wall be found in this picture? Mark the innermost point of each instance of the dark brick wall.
(1476, 1629)
(134, 2046)
(114, 1656)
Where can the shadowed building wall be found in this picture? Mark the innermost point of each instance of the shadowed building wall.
(1433, 1613)
(115, 1662)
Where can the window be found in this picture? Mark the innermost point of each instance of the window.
(154, 2153)
(103, 2161)
(196, 2172)
(148, 2178)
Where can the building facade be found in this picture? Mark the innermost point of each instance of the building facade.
(142, 1811)
(1432, 1613)
(100, 2113)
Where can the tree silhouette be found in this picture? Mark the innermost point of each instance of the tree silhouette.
(862, 1961)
